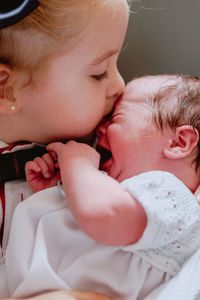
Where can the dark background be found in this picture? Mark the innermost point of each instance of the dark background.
(163, 37)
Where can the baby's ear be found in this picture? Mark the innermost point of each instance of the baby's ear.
(6, 90)
(183, 141)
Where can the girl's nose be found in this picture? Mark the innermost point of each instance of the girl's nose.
(116, 87)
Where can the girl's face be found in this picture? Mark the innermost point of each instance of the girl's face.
(80, 86)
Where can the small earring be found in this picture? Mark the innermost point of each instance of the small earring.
(12, 107)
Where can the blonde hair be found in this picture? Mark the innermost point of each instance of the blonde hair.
(34, 38)
(30, 42)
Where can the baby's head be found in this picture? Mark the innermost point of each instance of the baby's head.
(63, 55)
(155, 126)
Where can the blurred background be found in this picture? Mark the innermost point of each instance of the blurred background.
(163, 37)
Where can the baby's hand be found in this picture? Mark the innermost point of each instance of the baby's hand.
(42, 172)
(72, 151)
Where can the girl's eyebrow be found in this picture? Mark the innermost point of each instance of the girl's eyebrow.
(106, 55)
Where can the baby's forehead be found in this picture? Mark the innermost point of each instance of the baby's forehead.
(144, 89)
(149, 83)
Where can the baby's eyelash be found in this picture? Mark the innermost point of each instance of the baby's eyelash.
(99, 77)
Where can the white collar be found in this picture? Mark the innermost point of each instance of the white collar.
(14, 147)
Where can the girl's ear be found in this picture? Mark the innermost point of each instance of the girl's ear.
(7, 99)
(183, 141)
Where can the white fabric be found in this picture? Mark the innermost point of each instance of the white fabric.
(185, 285)
(15, 192)
(4, 293)
(173, 231)
(48, 251)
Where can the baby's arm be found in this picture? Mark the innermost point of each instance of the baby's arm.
(102, 208)
(42, 173)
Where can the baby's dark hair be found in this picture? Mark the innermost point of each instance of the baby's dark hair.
(182, 92)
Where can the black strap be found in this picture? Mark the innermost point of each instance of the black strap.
(12, 164)
(12, 11)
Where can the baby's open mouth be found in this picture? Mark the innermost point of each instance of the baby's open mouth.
(105, 155)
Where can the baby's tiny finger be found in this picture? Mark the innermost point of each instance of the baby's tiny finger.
(44, 167)
(54, 155)
(32, 166)
(50, 162)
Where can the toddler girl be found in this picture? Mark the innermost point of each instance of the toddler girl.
(58, 78)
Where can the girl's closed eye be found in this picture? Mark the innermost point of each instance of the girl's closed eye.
(101, 76)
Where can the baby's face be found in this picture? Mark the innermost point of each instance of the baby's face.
(80, 86)
(136, 145)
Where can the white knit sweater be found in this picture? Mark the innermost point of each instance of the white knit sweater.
(173, 231)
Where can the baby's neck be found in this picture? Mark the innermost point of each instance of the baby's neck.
(186, 172)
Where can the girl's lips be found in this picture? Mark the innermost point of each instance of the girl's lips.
(105, 156)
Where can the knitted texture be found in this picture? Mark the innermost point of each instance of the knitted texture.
(172, 234)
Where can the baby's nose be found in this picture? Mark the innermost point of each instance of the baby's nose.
(101, 129)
